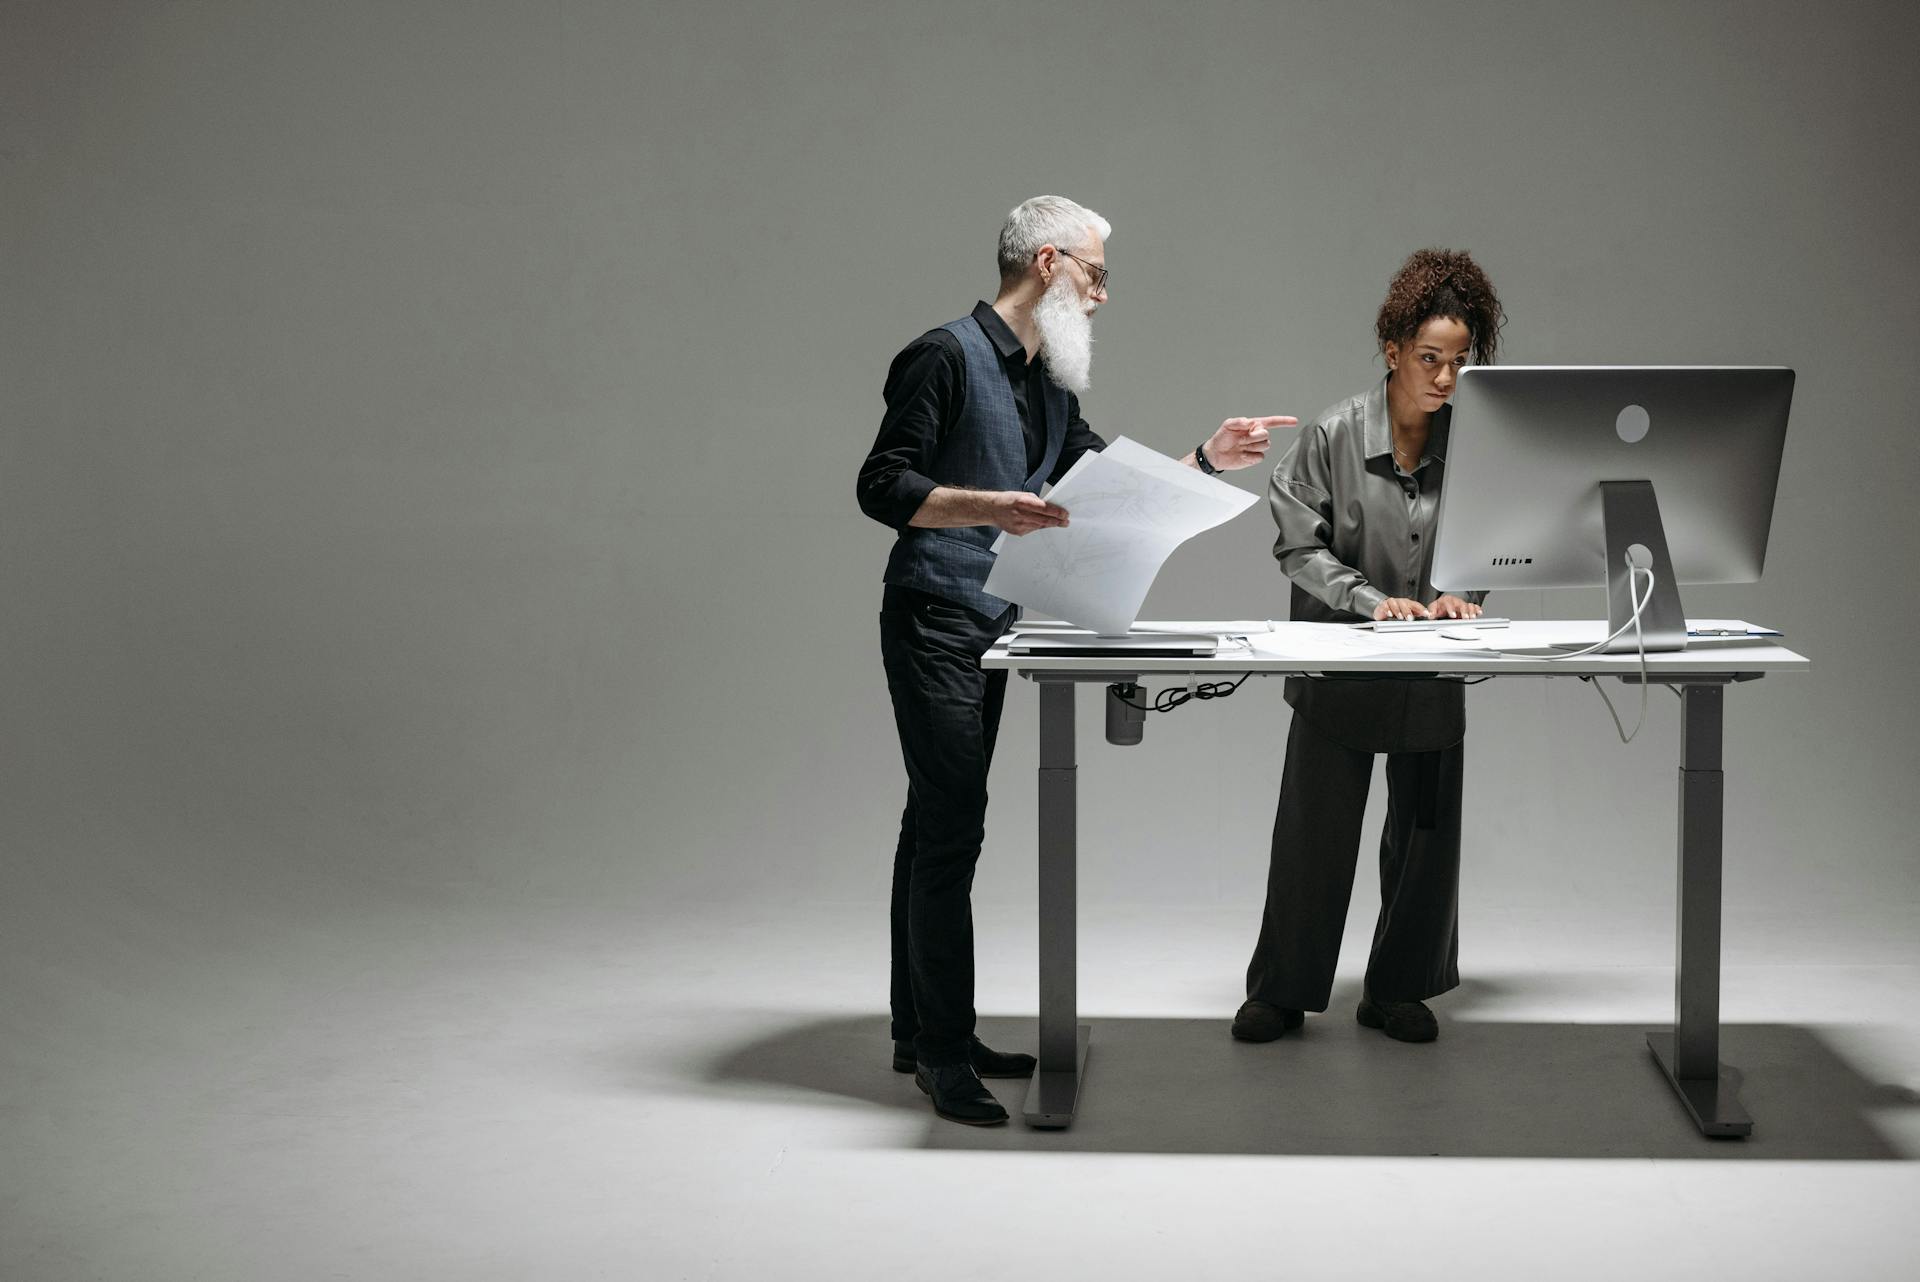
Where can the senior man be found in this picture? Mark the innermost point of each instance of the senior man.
(981, 413)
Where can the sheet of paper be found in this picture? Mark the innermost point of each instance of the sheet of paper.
(1130, 508)
(1339, 641)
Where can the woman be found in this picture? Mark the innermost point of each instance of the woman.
(1355, 499)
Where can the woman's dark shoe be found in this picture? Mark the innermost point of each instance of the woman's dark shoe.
(958, 1095)
(986, 1061)
(1402, 1021)
(1258, 1021)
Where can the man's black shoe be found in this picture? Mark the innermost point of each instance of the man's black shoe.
(1259, 1021)
(1402, 1021)
(986, 1061)
(958, 1095)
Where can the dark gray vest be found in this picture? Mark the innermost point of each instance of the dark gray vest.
(985, 450)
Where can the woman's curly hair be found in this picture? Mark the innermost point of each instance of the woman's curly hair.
(1445, 283)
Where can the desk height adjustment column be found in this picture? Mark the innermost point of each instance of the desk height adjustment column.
(1690, 1055)
(1055, 1089)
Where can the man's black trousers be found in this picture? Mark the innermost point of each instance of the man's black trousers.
(947, 710)
(1316, 845)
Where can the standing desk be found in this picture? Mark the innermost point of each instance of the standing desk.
(1689, 1054)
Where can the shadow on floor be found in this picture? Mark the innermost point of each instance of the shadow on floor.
(1485, 1089)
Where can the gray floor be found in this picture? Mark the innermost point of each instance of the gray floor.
(702, 1091)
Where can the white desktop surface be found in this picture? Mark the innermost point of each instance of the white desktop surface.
(1285, 647)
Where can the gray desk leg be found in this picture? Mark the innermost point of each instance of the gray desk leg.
(1690, 1054)
(1055, 1089)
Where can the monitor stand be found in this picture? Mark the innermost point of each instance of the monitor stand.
(1635, 535)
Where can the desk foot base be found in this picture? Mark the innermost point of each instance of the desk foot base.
(1710, 1101)
(1053, 1095)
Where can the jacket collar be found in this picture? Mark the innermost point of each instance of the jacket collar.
(1377, 432)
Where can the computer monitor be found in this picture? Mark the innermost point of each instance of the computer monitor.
(1559, 475)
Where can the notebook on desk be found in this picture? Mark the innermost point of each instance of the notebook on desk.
(1737, 628)
(1146, 645)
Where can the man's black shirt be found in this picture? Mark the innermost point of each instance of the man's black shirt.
(926, 394)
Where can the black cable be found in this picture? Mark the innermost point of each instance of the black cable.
(1173, 696)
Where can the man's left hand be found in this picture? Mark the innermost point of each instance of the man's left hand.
(1452, 607)
(1242, 442)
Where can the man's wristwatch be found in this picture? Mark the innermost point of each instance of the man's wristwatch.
(1206, 464)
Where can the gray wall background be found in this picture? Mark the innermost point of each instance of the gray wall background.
(429, 429)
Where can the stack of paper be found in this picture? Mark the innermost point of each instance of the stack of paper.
(1128, 508)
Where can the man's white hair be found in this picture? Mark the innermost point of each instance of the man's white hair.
(1045, 220)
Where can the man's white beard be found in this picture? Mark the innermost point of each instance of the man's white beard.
(1066, 335)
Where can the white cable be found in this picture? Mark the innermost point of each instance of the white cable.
(1640, 605)
(1640, 640)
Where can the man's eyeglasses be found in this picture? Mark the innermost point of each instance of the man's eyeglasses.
(1095, 270)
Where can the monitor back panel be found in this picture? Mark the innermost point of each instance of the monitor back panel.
(1529, 446)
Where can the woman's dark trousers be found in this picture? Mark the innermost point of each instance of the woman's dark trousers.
(1316, 845)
